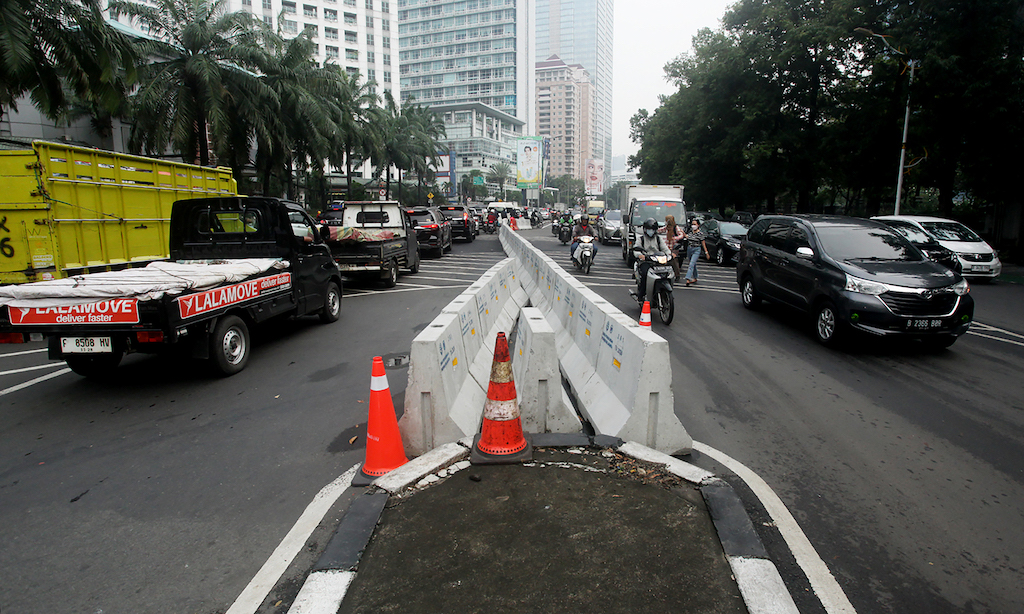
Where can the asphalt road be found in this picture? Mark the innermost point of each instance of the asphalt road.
(903, 467)
(166, 489)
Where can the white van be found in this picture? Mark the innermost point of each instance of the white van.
(977, 257)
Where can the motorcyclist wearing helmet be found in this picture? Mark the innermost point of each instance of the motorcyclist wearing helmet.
(649, 242)
(583, 228)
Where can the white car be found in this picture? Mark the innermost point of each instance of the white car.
(977, 257)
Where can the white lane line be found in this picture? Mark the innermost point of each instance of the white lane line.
(405, 283)
(445, 278)
(33, 382)
(989, 328)
(1011, 341)
(23, 353)
(824, 584)
(263, 582)
(52, 365)
(420, 289)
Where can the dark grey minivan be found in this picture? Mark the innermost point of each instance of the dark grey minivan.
(852, 274)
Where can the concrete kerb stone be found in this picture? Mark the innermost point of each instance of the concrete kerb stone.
(421, 466)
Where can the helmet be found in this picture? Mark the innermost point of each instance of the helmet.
(585, 220)
(651, 223)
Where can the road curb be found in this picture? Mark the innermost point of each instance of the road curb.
(759, 581)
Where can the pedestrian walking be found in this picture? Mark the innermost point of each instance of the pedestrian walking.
(673, 237)
(695, 241)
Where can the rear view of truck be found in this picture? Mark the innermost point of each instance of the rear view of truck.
(649, 201)
(68, 210)
(372, 239)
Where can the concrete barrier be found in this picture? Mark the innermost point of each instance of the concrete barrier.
(538, 381)
(619, 372)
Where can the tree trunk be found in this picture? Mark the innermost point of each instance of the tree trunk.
(348, 171)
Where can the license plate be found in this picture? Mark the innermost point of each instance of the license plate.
(85, 345)
(982, 267)
(923, 324)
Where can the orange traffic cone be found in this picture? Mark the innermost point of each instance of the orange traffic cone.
(501, 439)
(645, 315)
(384, 450)
(512, 223)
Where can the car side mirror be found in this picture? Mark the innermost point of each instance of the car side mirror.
(805, 252)
(325, 233)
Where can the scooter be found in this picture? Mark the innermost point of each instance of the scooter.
(490, 227)
(583, 255)
(564, 233)
(659, 285)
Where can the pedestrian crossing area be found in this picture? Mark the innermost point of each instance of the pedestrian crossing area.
(454, 270)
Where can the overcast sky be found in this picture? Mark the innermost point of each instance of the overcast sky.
(649, 34)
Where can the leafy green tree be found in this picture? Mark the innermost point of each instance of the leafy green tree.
(52, 48)
(499, 173)
(356, 139)
(198, 48)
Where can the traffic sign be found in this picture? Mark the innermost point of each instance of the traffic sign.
(383, 192)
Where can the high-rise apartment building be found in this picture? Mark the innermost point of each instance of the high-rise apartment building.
(565, 116)
(580, 32)
(476, 56)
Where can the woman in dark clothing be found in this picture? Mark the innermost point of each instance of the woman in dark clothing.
(694, 243)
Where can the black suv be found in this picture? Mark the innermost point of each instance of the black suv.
(433, 230)
(462, 221)
(852, 274)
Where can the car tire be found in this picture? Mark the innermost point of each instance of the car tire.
(749, 294)
(449, 246)
(95, 367)
(392, 274)
(827, 327)
(720, 256)
(415, 266)
(229, 345)
(331, 310)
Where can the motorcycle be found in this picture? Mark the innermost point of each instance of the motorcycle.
(564, 233)
(659, 285)
(490, 227)
(583, 255)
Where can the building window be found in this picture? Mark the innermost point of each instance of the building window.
(387, 76)
(266, 5)
(369, 21)
(369, 4)
(369, 39)
(309, 11)
(330, 15)
(246, 2)
(387, 59)
(291, 27)
(287, 7)
(385, 24)
(311, 30)
(267, 19)
(332, 53)
(371, 74)
(351, 37)
(371, 57)
(350, 18)
(351, 54)
(331, 34)
(384, 7)
(386, 41)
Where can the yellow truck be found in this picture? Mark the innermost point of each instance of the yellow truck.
(68, 210)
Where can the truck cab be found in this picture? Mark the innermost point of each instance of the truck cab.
(371, 238)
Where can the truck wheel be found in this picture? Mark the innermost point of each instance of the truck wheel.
(392, 274)
(94, 366)
(332, 304)
(229, 345)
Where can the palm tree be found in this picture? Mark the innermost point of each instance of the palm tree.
(499, 173)
(355, 104)
(198, 49)
(49, 48)
(468, 185)
(393, 138)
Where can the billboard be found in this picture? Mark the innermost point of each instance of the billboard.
(593, 179)
(445, 173)
(529, 162)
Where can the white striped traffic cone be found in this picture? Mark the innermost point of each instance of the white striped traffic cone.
(501, 440)
(645, 315)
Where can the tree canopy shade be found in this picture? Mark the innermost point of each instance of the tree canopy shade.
(787, 104)
(52, 48)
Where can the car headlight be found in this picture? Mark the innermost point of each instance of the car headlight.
(961, 287)
(733, 244)
(863, 286)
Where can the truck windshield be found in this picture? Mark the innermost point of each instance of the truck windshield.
(657, 209)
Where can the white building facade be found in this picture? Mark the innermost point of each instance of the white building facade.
(565, 116)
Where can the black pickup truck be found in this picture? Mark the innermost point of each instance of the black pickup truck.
(234, 262)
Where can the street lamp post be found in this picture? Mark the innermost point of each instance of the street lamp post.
(906, 119)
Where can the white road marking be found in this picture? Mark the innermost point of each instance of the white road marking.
(824, 584)
(990, 328)
(375, 292)
(52, 365)
(971, 332)
(22, 353)
(33, 382)
(263, 582)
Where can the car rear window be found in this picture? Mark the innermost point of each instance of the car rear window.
(421, 217)
(866, 244)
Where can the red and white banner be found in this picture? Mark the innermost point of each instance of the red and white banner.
(114, 311)
(203, 302)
